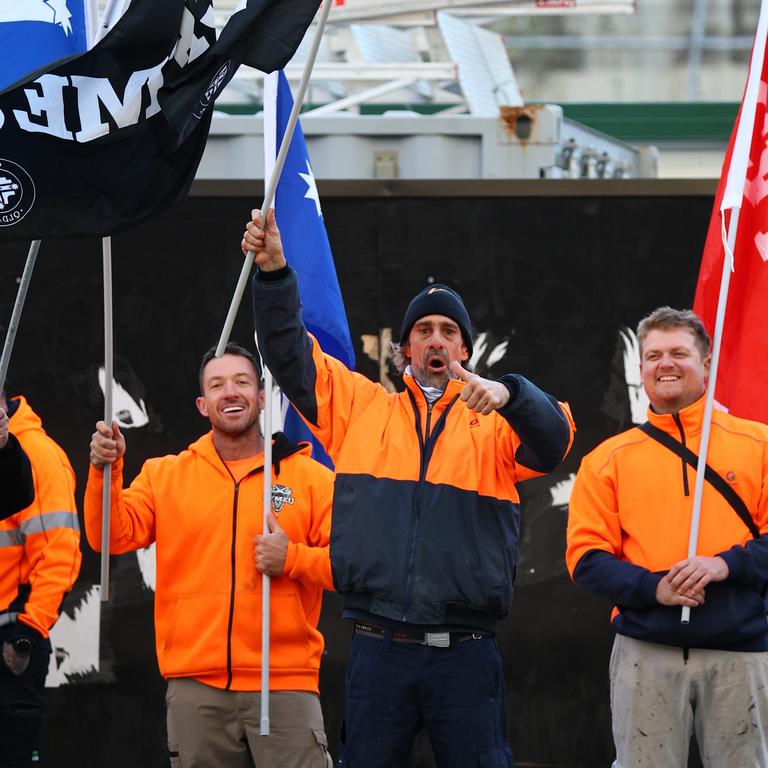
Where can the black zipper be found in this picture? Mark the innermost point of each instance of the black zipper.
(233, 564)
(686, 489)
(427, 446)
(232, 590)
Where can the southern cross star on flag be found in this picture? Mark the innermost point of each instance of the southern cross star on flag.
(305, 241)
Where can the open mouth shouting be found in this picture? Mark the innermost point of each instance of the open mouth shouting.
(437, 364)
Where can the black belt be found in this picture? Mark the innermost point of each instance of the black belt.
(434, 639)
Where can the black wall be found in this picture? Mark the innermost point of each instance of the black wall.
(555, 276)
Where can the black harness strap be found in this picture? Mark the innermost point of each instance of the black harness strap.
(712, 477)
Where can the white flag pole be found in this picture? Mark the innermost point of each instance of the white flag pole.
(13, 325)
(725, 280)
(733, 195)
(106, 257)
(112, 12)
(265, 582)
(276, 171)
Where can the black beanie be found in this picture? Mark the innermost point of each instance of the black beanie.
(438, 299)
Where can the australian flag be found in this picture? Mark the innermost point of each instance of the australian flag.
(100, 142)
(36, 32)
(305, 241)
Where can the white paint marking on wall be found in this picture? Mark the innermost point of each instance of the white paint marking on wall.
(561, 492)
(148, 565)
(75, 641)
(638, 400)
(128, 413)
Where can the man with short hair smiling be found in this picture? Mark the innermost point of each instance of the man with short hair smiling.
(203, 508)
(425, 517)
(628, 529)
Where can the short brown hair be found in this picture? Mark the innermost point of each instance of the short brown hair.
(667, 319)
(231, 349)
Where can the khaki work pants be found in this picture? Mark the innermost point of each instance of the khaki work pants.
(658, 699)
(213, 728)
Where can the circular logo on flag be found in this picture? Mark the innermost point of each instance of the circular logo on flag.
(17, 193)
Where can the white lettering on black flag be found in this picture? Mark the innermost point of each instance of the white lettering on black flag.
(110, 138)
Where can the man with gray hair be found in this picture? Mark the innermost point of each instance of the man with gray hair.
(628, 529)
(426, 516)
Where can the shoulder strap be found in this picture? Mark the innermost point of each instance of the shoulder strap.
(712, 477)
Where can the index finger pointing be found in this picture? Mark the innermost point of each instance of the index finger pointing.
(460, 371)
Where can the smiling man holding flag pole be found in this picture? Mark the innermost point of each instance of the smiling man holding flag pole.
(636, 533)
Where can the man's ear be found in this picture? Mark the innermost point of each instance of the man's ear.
(260, 400)
(464, 353)
(202, 406)
(707, 362)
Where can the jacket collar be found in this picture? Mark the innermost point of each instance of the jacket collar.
(282, 448)
(690, 418)
(453, 388)
(23, 418)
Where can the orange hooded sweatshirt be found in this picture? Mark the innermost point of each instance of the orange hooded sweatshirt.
(208, 591)
(40, 546)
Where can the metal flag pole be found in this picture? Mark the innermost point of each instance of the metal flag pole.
(265, 582)
(106, 257)
(21, 295)
(276, 171)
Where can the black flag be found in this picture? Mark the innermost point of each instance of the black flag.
(99, 142)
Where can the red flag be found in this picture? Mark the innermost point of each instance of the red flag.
(742, 378)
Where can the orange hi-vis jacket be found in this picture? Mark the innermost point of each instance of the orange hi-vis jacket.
(40, 546)
(208, 591)
(425, 513)
(629, 523)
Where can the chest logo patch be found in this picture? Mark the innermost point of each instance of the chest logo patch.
(281, 495)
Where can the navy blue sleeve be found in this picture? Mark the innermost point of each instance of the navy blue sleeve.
(282, 337)
(18, 490)
(748, 564)
(539, 422)
(623, 583)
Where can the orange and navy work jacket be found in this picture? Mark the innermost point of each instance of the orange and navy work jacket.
(425, 514)
(208, 592)
(39, 546)
(629, 521)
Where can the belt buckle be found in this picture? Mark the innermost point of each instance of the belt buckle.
(437, 639)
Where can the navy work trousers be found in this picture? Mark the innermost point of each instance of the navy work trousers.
(456, 694)
(22, 699)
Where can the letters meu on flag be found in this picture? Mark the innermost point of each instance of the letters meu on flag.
(305, 241)
(743, 369)
(105, 140)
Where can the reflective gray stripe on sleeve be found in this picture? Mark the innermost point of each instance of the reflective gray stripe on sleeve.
(12, 538)
(48, 521)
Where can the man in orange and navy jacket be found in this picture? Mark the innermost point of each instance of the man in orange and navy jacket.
(39, 562)
(628, 532)
(425, 518)
(203, 508)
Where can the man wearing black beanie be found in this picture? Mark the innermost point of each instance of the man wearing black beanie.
(425, 525)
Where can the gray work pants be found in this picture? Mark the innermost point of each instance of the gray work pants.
(658, 699)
